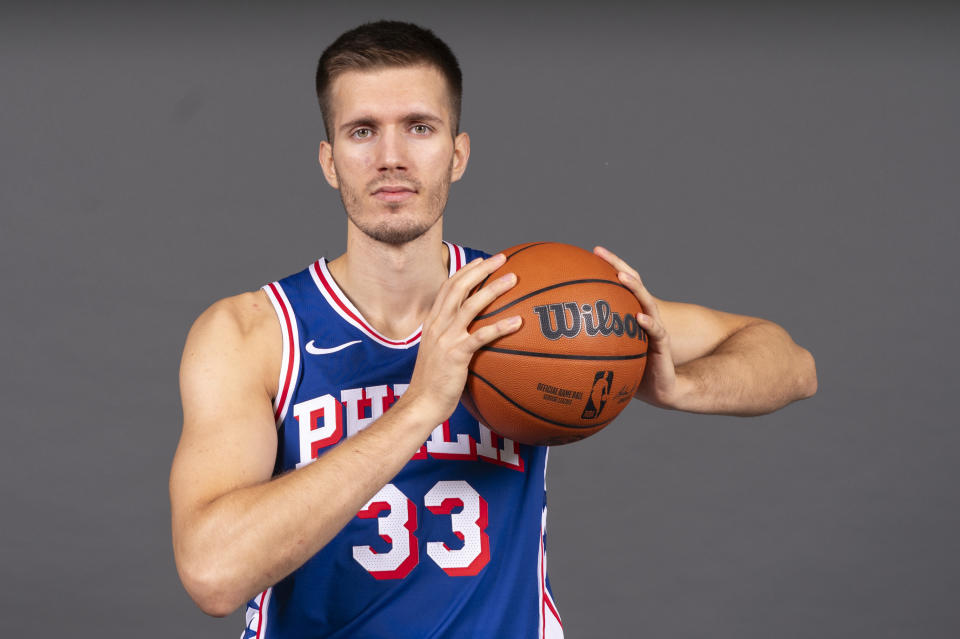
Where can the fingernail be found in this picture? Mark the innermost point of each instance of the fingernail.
(515, 321)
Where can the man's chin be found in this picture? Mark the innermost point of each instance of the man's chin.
(398, 238)
(394, 234)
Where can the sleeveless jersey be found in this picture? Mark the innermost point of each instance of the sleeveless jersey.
(452, 546)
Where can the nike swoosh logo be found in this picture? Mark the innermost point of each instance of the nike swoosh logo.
(316, 350)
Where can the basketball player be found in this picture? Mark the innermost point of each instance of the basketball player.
(326, 473)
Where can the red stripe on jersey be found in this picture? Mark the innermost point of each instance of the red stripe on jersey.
(290, 352)
(346, 310)
(543, 591)
(263, 596)
(549, 601)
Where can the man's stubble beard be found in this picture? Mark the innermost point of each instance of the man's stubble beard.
(392, 231)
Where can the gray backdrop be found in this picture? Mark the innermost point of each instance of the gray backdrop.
(796, 163)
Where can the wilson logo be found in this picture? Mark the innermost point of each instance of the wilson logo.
(569, 319)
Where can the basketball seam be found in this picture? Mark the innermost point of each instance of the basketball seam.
(482, 419)
(548, 288)
(530, 412)
(479, 286)
(507, 351)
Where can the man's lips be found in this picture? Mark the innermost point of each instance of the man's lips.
(394, 193)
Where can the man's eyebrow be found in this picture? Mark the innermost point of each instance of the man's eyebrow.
(423, 117)
(364, 121)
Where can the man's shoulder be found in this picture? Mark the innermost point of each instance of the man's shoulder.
(246, 313)
(245, 321)
(240, 331)
(250, 313)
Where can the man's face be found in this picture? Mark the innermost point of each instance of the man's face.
(393, 153)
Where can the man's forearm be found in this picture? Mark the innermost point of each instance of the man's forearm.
(755, 371)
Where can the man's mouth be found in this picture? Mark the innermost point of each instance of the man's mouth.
(394, 193)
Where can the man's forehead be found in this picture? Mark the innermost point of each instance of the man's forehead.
(390, 89)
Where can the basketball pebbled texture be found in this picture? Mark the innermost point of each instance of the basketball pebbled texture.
(577, 359)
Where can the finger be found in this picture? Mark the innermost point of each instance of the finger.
(445, 290)
(485, 296)
(466, 268)
(655, 331)
(615, 261)
(647, 301)
(455, 290)
(486, 334)
(649, 319)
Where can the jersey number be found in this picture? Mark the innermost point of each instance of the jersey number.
(397, 527)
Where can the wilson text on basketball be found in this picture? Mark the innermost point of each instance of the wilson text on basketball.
(569, 319)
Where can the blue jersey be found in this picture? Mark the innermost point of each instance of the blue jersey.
(452, 546)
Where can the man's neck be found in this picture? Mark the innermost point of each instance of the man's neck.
(393, 286)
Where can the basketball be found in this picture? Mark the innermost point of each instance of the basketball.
(577, 359)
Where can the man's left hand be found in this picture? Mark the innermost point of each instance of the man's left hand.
(660, 385)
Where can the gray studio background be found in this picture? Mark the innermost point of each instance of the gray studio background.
(791, 162)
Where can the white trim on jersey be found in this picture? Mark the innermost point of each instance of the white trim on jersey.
(458, 257)
(344, 307)
(256, 618)
(550, 625)
(340, 303)
(546, 461)
(290, 364)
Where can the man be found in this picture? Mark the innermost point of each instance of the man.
(296, 490)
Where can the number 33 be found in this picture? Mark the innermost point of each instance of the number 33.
(397, 529)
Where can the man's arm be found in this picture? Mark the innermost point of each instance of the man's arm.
(706, 361)
(236, 531)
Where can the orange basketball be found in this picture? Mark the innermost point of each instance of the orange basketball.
(576, 361)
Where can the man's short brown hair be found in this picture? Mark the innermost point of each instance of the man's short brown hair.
(387, 44)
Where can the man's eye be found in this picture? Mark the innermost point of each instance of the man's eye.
(420, 129)
(362, 134)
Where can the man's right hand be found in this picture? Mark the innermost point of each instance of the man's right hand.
(446, 346)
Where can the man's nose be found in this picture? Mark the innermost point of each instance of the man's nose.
(393, 152)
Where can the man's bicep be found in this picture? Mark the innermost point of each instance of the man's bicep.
(696, 331)
(229, 437)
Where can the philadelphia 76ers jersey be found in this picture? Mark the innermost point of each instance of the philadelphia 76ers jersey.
(453, 546)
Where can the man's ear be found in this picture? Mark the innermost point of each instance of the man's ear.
(461, 155)
(326, 163)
